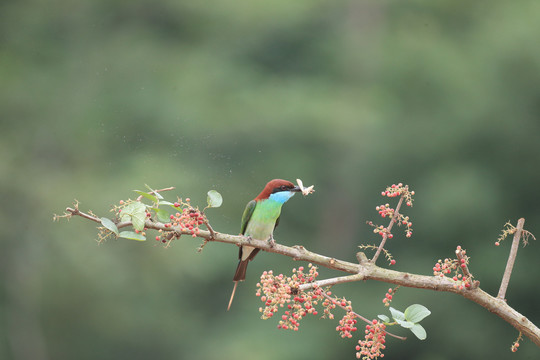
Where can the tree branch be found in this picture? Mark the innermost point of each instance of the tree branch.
(395, 216)
(365, 270)
(511, 259)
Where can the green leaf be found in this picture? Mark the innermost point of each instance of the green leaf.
(158, 195)
(138, 220)
(131, 235)
(109, 225)
(419, 331)
(404, 323)
(147, 195)
(384, 318)
(128, 209)
(415, 313)
(162, 215)
(136, 213)
(397, 315)
(214, 199)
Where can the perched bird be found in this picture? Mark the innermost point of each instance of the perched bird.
(259, 220)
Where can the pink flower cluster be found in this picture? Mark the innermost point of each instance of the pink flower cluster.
(347, 325)
(385, 210)
(190, 218)
(399, 190)
(388, 296)
(373, 344)
(278, 291)
(455, 266)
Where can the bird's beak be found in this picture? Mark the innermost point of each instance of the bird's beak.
(296, 189)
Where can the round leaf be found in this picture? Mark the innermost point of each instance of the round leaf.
(384, 318)
(415, 313)
(214, 199)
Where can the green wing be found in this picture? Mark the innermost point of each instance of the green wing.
(248, 211)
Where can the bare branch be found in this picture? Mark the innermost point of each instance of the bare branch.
(511, 259)
(331, 282)
(76, 211)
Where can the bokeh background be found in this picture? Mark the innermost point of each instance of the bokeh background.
(101, 97)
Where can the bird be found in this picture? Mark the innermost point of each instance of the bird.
(260, 218)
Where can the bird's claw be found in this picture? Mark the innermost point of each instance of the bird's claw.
(248, 238)
(271, 241)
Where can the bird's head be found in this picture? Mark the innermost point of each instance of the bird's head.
(278, 190)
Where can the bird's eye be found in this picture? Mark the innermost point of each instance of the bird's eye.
(283, 187)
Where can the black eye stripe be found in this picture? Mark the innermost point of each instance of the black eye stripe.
(281, 188)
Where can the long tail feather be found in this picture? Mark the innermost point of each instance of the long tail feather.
(232, 295)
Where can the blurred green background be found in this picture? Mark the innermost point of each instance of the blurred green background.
(100, 97)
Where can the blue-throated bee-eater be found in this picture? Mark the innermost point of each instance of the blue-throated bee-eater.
(259, 220)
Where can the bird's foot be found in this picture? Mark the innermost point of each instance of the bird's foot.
(248, 238)
(271, 241)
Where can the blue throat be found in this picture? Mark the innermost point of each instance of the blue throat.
(281, 196)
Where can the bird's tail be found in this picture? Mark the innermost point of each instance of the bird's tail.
(232, 295)
(239, 275)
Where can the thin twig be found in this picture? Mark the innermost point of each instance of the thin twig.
(157, 191)
(460, 253)
(395, 216)
(511, 260)
(209, 227)
(331, 282)
(76, 211)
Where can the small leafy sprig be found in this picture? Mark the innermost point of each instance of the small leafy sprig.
(387, 253)
(409, 319)
(510, 229)
(136, 212)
